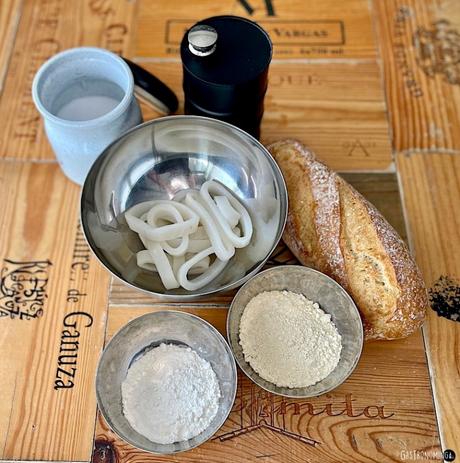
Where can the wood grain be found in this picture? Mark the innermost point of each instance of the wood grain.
(47, 27)
(337, 109)
(423, 88)
(422, 77)
(326, 29)
(46, 265)
(432, 193)
(10, 12)
(329, 96)
(281, 427)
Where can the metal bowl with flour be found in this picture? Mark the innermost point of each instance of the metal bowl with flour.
(167, 156)
(147, 332)
(332, 299)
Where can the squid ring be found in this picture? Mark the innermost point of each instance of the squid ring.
(223, 249)
(200, 266)
(140, 210)
(179, 250)
(168, 212)
(165, 232)
(162, 265)
(219, 189)
(144, 260)
(193, 245)
(206, 277)
(226, 209)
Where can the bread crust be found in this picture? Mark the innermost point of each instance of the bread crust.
(334, 229)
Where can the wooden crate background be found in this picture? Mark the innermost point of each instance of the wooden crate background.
(374, 95)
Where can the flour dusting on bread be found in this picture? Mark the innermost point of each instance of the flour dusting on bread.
(334, 229)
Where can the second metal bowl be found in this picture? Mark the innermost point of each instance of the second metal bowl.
(157, 160)
(317, 287)
(149, 331)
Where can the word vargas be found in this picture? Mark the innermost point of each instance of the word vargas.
(68, 349)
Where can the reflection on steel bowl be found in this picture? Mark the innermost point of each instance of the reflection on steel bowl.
(158, 160)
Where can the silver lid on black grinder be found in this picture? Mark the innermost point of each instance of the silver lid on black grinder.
(225, 63)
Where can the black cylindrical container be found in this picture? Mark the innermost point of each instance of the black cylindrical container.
(225, 62)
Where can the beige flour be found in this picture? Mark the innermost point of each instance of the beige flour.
(288, 340)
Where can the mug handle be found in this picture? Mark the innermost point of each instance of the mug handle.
(152, 90)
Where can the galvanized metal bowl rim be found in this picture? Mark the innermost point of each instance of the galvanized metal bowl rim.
(284, 203)
(152, 314)
(244, 365)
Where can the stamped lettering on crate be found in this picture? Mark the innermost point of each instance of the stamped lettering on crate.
(295, 80)
(438, 50)
(23, 288)
(73, 323)
(45, 44)
(289, 36)
(402, 59)
(269, 7)
(256, 408)
(282, 32)
(358, 148)
(115, 34)
(76, 319)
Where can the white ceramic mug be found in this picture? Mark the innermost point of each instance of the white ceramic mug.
(86, 98)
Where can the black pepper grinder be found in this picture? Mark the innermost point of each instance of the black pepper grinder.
(225, 62)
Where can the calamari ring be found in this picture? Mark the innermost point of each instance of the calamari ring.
(193, 245)
(163, 266)
(205, 278)
(222, 247)
(165, 232)
(227, 210)
(162, 212)
(144, 260)
(218, 189)
(200, 266)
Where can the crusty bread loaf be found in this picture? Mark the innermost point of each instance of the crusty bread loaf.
(332, 228)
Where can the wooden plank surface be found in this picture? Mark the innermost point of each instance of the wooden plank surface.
(326, 30)
(337, 106)
(47, 27)
(432, 193)
(357, 422)
(338, 109)
(326, 93)
(53, 297)
(10, 12)
(420, 41)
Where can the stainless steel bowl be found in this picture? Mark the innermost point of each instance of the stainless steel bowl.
(157, 160)
(149, 331)
(317, 287)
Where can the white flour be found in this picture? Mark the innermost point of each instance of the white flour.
(170, 394)
(288, 340)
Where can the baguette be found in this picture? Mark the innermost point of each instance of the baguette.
(334, 229)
